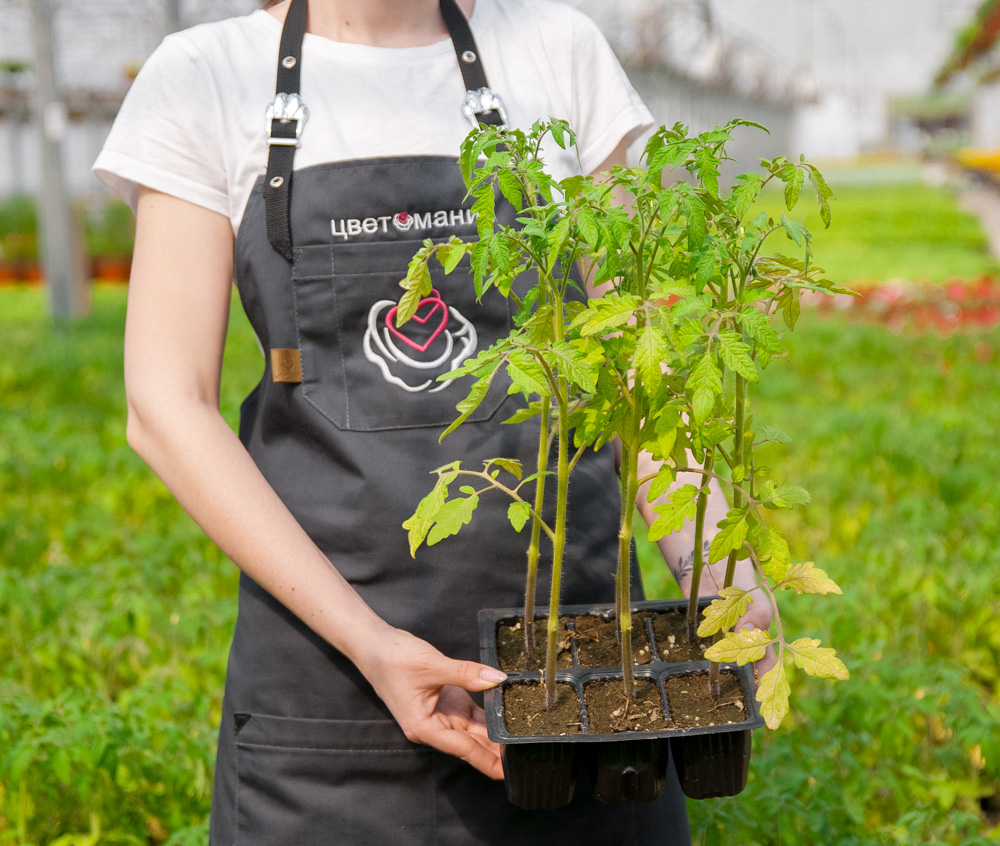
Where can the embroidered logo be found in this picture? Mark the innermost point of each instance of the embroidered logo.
(437, 338)
(347, 228)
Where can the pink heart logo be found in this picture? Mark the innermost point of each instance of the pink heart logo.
(426, 309)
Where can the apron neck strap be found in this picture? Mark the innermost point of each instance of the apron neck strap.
(287, 114)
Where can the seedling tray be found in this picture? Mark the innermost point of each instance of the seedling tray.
(711, 760)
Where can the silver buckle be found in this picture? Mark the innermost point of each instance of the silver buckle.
(287, 107)
(480, 102)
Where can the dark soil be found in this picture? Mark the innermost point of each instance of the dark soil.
(525, 714)
(510, 646)
(597, 641)
(691, 703)
(610, 712)
(671, 636)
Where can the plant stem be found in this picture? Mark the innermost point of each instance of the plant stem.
(536, 531)
(699, 558)
(562, 494)
(623, 579)
(738, 459)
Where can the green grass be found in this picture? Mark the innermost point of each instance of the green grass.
(880, 232)
(115, 611)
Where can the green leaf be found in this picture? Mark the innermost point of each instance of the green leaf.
(651, 350)
(604, 313)
(572, 362)
(705, 383)
(772, 694)
(500, 253)
(758, 327)
(776, 435)
(510, 465)
(795, 230)
(724, 612)
(450, 255)
(732, 533)
(484, 207)
(708, 170)
(518, 514)
(793, 188)
(511, 188)
(587, 222)
(419, 524)
(661, 484)
(740, 647)
(519, 416)
(451, 517)
(817, 660)
(806, 578)
(782, 495)
(477, 393)
(674, 513)
(527, 376)
(736, 355)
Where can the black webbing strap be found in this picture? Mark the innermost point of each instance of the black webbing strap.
(285, 127)
(469, 60)
(280, 156)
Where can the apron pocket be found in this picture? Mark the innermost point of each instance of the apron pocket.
(320, 782)
(366, 374)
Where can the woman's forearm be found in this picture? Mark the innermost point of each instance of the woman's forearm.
(192, 449)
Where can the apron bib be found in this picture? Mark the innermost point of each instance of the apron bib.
(344, 425)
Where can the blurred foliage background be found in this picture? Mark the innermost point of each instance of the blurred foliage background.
(116, 612)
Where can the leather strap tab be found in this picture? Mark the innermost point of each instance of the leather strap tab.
(286, 365)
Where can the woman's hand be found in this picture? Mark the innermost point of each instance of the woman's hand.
(426, 693)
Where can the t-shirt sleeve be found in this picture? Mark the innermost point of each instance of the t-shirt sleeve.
(607, 108)
(166, 135)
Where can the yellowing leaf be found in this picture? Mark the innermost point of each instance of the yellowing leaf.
(818, 660)
(736, 355)
(772, 694)
(740, 647)
(724, 612)
(805, 578)
(510, 465)
(423, 518)
(776, 566)
(651, 351)
(451, 517)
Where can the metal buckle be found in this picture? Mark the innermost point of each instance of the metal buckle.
(287, 107)
(480, 102)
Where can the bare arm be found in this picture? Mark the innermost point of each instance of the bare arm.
(174, 337)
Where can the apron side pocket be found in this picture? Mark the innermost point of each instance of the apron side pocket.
(312, 782)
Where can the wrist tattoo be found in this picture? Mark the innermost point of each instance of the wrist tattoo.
(684, 567)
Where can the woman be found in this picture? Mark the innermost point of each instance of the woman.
(347, 716)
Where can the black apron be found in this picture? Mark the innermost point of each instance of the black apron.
(344, 425)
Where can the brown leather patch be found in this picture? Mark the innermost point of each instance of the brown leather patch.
(286, 365)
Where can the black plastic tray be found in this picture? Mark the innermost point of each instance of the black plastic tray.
(540, 770)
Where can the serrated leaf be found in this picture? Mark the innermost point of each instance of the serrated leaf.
(587, 222)
(518, 514)
(451, 255)
(605, 313)
(793, 188)
(484, 208)
(772, 694)
(651, 350)
(795, 230)
(783, 495)
(777, 565)
(732, 533)
(661, 484)
(573, 364)
(511, 188)
(419, 524)
(674, 513)
(736, 355)
(527, 376)
(500, 253)
(451, 517)
(819, 661)
(723, 613)
(807, 578)
(523, 414)
(740, 647)
(465, 407)
(705, 383)
(510, 465)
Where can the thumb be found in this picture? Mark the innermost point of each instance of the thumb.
(471, 676)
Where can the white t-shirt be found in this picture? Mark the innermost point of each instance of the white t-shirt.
(193, 124)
